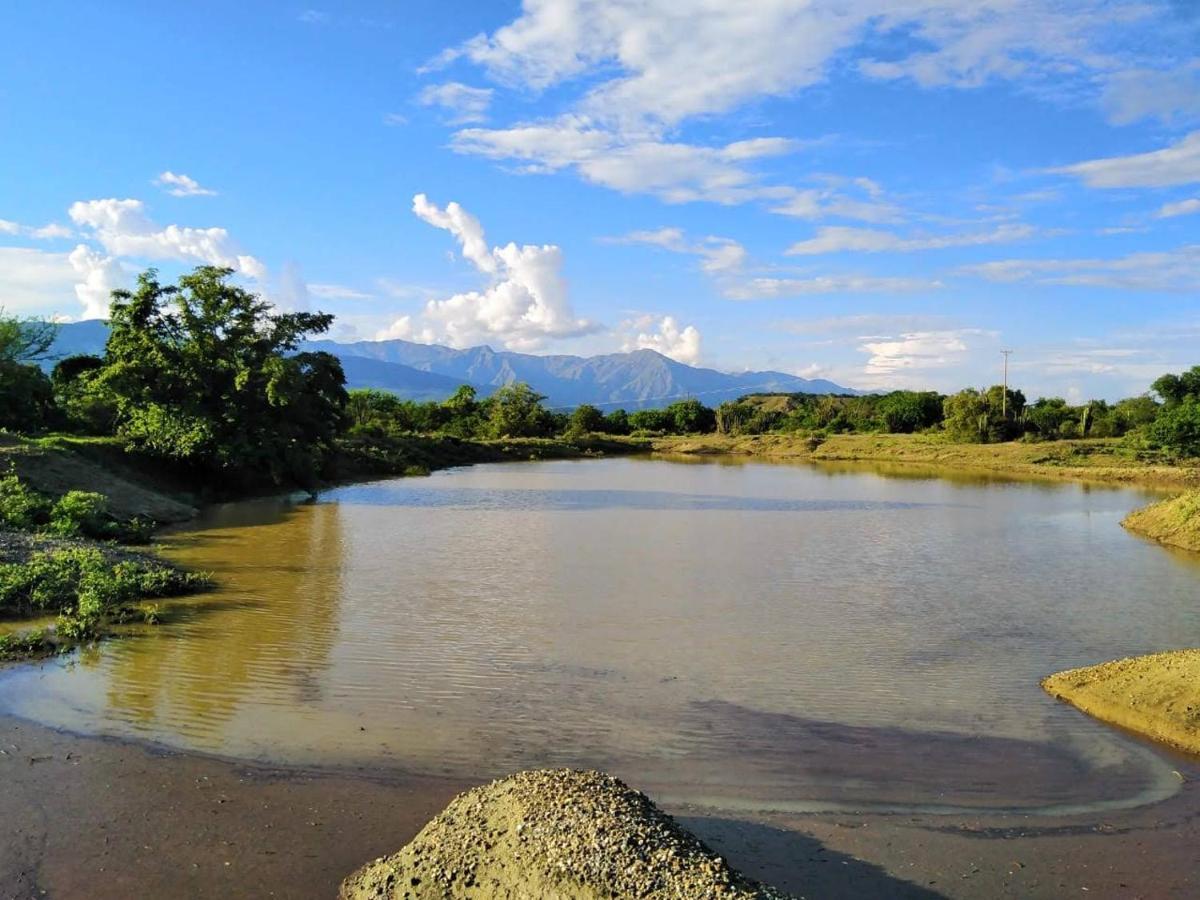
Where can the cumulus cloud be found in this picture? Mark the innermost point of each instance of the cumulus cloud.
(461, 102)
(1174, 165)
(717, 255)
(182, 185)
(919, 350)
(47, 232)
(664, 335)
(758, 288)
(524, 304)
(9, 227)
(123, 229)
(841, 239)
(33, 281)
(99, 276)
(1168, 271)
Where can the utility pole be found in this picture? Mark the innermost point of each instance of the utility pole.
(1004, 396)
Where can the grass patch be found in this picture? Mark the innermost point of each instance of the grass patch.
(1175, 522)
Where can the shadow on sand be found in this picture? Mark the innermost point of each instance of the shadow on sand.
(798, 864)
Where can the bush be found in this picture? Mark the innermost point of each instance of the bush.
(79, 513)
(1177, 428)
(21, 509)
(83, 587)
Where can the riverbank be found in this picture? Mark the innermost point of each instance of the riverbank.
(1083, 460)
(1156, 695)
(100, 818)
(1174, 522)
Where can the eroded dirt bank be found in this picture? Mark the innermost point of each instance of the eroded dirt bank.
(88, 817)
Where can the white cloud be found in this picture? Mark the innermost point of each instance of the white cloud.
(1168, 95)
(461, 102)
(525, 303)
(717, 255)
(100, 275)
(9, 227)
(1165, 271)
(182, 186)
(664, 61)
(123, 229)
(35, 282)
(1182, 208)
(840, 239)
(337, 292)
(394, 120)
(757, 288)
(665, 336)
(51, 231)
(1173, 165)
(674, 172)
(313, 17)
(919, 350)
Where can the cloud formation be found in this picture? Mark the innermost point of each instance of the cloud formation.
(461, 102)
(1176, 164)
(759, 288)
(664, 335)
(841, 239)
(524, 304)
(1167, 271)
(182, 186)
(717, 255)
(123, 229)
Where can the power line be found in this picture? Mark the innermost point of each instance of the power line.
(684, 396)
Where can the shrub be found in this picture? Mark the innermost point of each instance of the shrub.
(21, 509)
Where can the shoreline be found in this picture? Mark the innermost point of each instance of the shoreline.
(1079, 460)
(105, 817)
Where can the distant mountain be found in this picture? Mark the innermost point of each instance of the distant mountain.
(636, 380)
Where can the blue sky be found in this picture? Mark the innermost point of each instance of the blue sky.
(881, 192)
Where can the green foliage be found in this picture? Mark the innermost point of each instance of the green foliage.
(983, 417)
(84, 588)
(83, 400)
(651, 421)
(26, 398)
(75, 514)
(516, 411)
(25, 341)
(21, 508)
(1177, 427)
(690, 417)
(586, 419)
(905, 412)
(1177, 388)
(205, 374)
(617, 422)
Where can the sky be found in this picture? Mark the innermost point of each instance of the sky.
(885, 193)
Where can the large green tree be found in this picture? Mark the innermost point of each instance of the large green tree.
(208, 374)
(26, 397)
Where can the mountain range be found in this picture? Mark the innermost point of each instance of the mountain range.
(635, 380)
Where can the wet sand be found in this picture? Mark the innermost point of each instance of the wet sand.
(88, 817)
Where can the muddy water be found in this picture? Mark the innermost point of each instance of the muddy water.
(746, 636)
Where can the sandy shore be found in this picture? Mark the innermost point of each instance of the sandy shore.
(1174, 522)
(86, 817)
(1156, 695)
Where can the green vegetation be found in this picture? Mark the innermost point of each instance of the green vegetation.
(1175, 522)
(86, 589)
(74, 514)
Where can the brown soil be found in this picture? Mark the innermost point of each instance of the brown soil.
(95, 819)
(553, 833)
(1156, 695)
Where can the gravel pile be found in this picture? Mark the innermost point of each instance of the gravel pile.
(555, 834)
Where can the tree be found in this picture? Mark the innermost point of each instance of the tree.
(1177, 428)
(26, 396)
(904, 412)
(24, 341)
(586, 419)
(1177, 388)
(517, 411)
(616, 422)
(81, 396)
(205, 373)
(691, 417)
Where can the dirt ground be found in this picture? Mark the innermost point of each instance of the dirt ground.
(87, 817)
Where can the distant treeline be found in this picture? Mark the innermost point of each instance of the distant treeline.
(209, 379)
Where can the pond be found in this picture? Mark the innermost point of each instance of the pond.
(740, 635)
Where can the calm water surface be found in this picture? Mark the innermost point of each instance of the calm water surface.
(742, 635)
